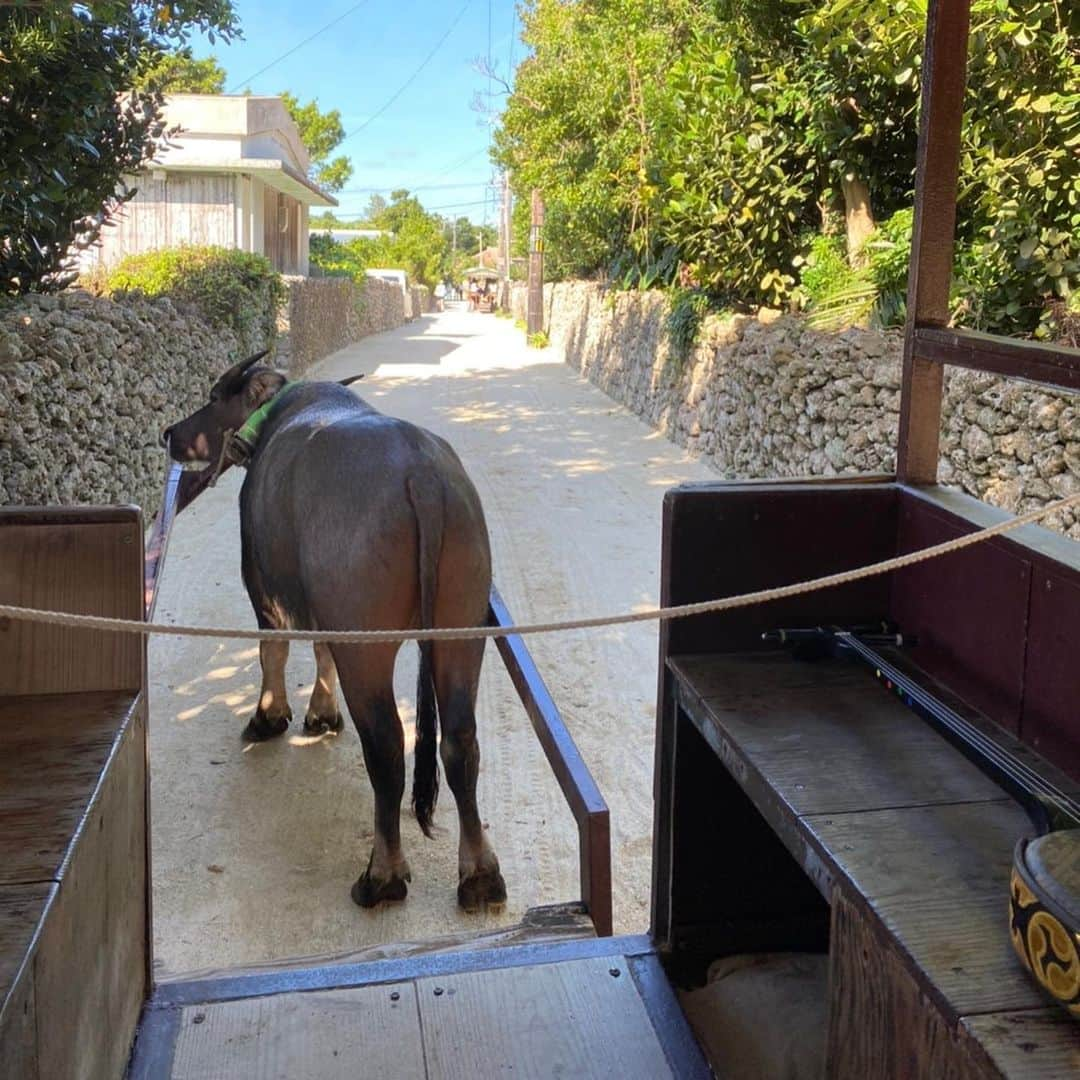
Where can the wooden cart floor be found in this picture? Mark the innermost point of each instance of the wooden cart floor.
(585, 1009)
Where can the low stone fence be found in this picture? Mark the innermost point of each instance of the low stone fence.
(325, 314)
(420, 301)
(86, 386)
(770, 397)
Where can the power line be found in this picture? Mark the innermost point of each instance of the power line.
(285, 55)
(412, 78)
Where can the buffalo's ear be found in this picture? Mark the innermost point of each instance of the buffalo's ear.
(230, 378)
(261, 387)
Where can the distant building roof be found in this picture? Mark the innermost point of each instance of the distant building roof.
(239, 134)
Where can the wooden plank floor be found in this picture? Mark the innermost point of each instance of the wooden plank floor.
(373, 1031)
(589, 1016)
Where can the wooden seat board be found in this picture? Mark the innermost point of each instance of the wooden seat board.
(63, 742)
(912, 828)
(569, 1019)
(789, 718)
(1038, 1044)
(352, 1034)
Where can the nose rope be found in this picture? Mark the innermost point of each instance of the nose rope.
(221, 458)
(367, 637)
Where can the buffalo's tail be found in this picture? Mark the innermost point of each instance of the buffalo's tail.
(426, 496)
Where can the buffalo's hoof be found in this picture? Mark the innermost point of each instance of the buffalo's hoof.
(483, 890)
(369, 892)
(262, 727)
(320, 725)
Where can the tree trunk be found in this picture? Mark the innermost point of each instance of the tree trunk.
(859, 218)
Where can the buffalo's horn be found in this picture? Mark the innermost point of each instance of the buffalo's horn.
(239, 368)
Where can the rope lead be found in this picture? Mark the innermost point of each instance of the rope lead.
(368, 637)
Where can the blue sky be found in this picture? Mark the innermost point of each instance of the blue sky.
(428, 139)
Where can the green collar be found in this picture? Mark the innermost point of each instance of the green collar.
(253, 426)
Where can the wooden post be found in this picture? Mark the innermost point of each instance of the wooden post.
(535, 316)
(944, 76)
(505, 230)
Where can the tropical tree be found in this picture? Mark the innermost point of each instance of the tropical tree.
(584, 124)
(180, 73)
(320, 132)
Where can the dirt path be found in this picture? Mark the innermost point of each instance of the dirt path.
(255, 847)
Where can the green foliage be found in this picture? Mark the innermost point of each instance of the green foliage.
(743, 186)
(1020, 166)
(825, 267)
(724, 134)
(539, 340)
(415, 242)
(870, 293)
(688, 308)
(234, 288)
(584, 124)
(70, 130)
(321, 133)
(180, 73)
(858, 62)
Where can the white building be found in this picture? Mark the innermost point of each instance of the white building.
(233, 173)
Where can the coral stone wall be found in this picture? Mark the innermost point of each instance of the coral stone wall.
(325, 314)
(86, 386)
(770, 397)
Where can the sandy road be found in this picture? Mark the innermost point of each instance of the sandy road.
(255, 847)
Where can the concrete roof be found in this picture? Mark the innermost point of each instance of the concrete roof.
(237, 133)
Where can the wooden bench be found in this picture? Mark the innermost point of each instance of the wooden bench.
(74, 892)
(802, 807)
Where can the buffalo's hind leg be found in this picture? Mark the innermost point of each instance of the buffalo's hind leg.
(367, 681)
(272, 715)
(457, 674)
(322, 711)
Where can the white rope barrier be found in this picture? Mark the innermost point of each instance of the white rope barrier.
(372, 637)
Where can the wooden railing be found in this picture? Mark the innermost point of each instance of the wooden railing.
(578, 786)
(1049, 365)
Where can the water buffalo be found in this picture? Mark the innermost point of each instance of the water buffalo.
(350, 519)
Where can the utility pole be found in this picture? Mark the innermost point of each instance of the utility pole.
(505, 229)
(535, 318)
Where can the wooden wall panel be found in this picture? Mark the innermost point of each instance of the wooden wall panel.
(90, 968)
(724, 539)
(881, 1025)
(1051, 711)
(87, 567)
(968, 612)
(281, 247)
(18, 1033)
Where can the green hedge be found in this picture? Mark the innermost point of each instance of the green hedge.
(231, 288)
